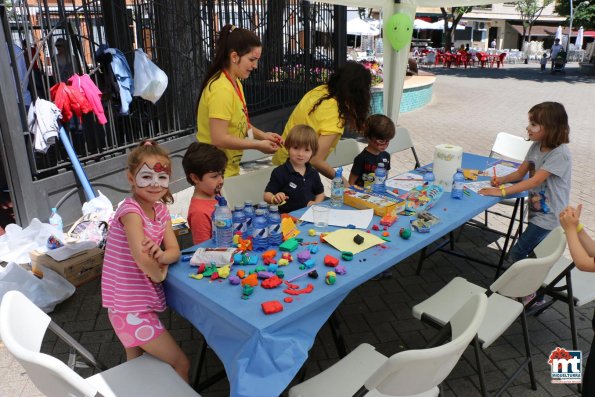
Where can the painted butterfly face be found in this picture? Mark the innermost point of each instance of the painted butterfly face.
(158, 176)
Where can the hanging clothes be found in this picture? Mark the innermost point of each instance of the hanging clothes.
(88, 88)
(106, 80)
(123, 75)
(43, 123)
(21, 65)
(69, 100)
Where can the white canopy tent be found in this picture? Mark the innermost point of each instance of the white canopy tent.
(395, 63)
(420, 24)
(578, 43)
(439, 25)
(359, 27)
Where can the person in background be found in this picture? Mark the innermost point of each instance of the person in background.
(140, 247)
(549, 165)
(582, 250)
(379, 130)
(344, 101)
(222, 113)
(493, 44)
(543, 62)
(63, 60)
(296, 184)
(556, 48)
(204, 166)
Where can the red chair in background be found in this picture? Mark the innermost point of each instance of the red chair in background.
(501, 59)
(482, 58)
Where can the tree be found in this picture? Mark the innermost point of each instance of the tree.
(530, 11)
(455, 15)
(584, 15)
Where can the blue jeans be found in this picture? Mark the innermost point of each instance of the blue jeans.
(531, 237)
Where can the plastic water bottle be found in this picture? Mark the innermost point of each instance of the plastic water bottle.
(275, 234)
(213, 227)
(379, 179)
(56, 220)
(429, 178)
(260, 234)
(337, 189)
(249, 212)
(223, 224)
(239, 220)
(458, 183)
(265, 208)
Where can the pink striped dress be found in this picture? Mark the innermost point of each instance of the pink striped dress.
(124, 286)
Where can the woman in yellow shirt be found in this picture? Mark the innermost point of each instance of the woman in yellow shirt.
(222, 114)
(328, 109)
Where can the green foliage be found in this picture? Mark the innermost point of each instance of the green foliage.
(530, 10)
(584, 14)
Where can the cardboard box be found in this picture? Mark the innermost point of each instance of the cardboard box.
(77, 269)
(381, 205)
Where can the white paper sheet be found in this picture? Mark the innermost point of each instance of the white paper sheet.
(501, 170)
(397, 183)
(359, 218)
(477, 186)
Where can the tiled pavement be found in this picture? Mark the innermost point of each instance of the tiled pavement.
(468, 109)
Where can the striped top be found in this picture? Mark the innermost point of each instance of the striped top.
(124, 286)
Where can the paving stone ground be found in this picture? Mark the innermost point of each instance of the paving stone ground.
(469, 108)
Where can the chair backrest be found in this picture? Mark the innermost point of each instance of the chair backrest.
(416, 371)
(249, 186)
(402, 141)
(524, 277)
(511, 146)
(22, 327)
(344, 153)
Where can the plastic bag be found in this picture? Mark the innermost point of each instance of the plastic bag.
(45, 293)
(99, 208)
(150, 82)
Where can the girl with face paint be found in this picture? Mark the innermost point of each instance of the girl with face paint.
(140, 247)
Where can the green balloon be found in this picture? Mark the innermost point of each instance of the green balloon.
(399, 30)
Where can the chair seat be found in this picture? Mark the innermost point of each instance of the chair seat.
(582, 282)
(159, 379)
(441, 306)
(345, 377)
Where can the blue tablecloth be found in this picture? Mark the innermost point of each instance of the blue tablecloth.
(261, 353)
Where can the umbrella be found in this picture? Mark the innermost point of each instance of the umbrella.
(559, 33)
(439, 25)
(359, 27)
(420, 24)
(578, 43)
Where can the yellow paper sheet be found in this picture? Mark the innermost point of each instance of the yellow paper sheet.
(343, 240)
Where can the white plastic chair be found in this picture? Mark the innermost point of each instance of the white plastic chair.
(22, 327)
(344, 153)
(408, 373)
(504, 300)
(402, 141)
(248, 186)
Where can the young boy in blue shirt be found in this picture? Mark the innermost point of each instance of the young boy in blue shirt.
(296, 184)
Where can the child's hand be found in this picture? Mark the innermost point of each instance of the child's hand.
(495, 181)
(490, 191)
(279, 198)
(152, 249)
(569, 217)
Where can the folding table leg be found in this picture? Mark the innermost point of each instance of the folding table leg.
(335, 325)
(506, 241)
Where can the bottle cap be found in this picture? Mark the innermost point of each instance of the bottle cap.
(259, 211)
(248, 202)
(54, 209)
(380, 165)
(238, 207)
(221, 201)
(263, 204)
(339, 172)
(273, 208)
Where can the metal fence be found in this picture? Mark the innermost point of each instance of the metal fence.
(179, 36)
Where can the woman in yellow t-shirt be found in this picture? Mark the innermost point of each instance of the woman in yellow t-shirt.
(222, 114)
(328, 109)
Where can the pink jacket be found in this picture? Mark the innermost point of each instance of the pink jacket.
(85, 85)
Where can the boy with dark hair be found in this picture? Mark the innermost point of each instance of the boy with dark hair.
(204, 166)
(378, 130)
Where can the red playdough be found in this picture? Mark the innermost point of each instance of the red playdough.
(306, 290)
(271, 282)
(271, 307)
(331, 261)
(289, 299)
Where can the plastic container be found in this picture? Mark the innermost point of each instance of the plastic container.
(275, 234)
(429, 178)
(337, 189)
(379, 185)
(239, 220)
(265, 208)
(458, 183)
(213, 228)
(56, 220)
(260, 234)
(223, 224)
(249, 212)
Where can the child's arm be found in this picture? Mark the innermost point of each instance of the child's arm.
(537, 179)
(272, 191)
(356, 169)
(582, 247)
(133, 226)
(318, 199)
(512, 177)
(352, 178)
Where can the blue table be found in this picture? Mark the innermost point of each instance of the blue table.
(261, 353)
